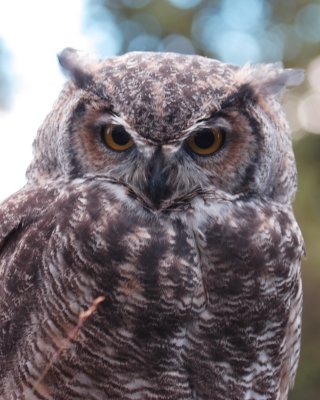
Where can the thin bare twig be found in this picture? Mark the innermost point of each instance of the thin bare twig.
(84, 315)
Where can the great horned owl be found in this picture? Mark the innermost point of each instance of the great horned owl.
(153, 253)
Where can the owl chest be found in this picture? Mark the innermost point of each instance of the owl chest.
(166, 267)
(148, 269)
(156, 272)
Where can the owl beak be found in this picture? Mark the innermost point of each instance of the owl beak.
(157, 179)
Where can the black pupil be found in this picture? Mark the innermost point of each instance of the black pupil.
(120, 136)
(204, 139)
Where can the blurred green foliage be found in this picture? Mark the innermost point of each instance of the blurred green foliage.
(259, 31)
(307, 211)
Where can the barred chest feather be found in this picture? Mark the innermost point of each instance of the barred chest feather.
(198, 299)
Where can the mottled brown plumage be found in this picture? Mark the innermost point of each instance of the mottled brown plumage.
(197, 257)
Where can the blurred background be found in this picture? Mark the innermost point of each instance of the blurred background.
(34, 31)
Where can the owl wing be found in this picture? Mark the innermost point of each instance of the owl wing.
(29, 220)
(20, 209)
(20, 248)
(293, 330)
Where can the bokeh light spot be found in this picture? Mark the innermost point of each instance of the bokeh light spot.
(313, 74)
(308, 112)
(290, 106)
(143, 42)
(236, 47)
(177, 44)
(244, 15)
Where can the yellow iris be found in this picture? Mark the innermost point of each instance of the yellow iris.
(206, 141)
(116, 138)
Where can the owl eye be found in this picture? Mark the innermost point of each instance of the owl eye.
(206, 141)
(116, 138)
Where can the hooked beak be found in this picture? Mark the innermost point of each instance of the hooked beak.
(157, 178)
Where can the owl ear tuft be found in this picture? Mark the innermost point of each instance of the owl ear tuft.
(269, 79)
(77, 66)
(281, 79)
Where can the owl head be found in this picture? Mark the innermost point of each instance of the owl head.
(168, 125)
